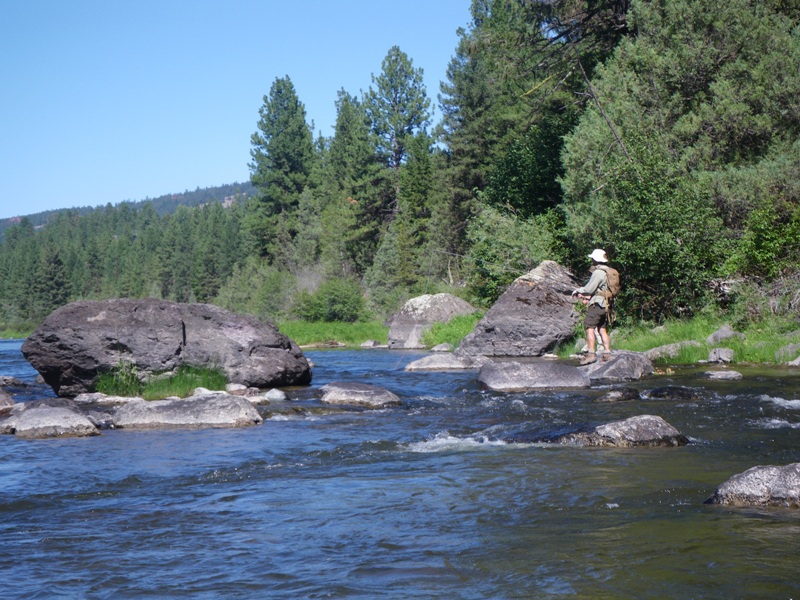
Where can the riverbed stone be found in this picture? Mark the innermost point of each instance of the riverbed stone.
(623, 394)
(443, 347)
(358, 394)
(670, 350)
(51, 422)
(788, 353)
(513, 376)
(195, 412)
(638, 431)
(725, 332)
(622, 366)
(723, 375)
(6, 402)
(721, 355)
(769, 485)
(410, 323)
(79, 341)
(446, 362)
(531, 317)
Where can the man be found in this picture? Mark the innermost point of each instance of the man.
(597, 316)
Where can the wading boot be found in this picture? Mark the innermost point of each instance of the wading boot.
(606, 356)
(589, 359)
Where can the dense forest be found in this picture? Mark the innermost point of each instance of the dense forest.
(665, 131)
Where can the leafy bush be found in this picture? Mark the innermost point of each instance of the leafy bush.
(123, 380)
(334, 300)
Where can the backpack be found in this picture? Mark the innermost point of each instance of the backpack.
(612, 284)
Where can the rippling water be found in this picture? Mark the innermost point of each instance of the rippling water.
(423, 501)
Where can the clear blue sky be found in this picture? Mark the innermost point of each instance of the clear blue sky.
(111, 100)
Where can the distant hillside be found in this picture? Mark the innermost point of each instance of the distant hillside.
(163, 205)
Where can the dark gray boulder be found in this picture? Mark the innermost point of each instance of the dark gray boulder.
(533, 315)
(358, 394)
(194, 412)
(512, 376)
(761, 486)
(407, 327)
(79, 341)
(623, 366)
(642, 430)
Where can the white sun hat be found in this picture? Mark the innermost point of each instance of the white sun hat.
(599, 255)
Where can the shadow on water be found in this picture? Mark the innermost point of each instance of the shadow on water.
(426, 500)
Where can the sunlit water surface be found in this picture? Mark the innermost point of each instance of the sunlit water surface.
(424, 501)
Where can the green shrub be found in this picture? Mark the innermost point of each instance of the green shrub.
(122, 380)
(335, 300)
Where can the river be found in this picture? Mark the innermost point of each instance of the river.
(422, 501)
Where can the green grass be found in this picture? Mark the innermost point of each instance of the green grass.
(350, 334)
(124, 381)
(451, 332)
(762, 340)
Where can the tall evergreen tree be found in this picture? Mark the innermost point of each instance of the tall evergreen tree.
(283, 154)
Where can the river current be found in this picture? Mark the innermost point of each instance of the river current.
(428, 500)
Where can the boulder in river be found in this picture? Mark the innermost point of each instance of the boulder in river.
(196, 412)
(407, 327)
(641, 430)
(761, 486)
(79, 341)
(446, 362)
(623, 366)
(512, 376)
(50, 422)
(533, 315)
(358, 394)
(6, 402)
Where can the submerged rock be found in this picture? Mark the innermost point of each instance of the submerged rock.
(723, 375)
(642, 430)
(358, 394)
(761, 486)
(674, 392)
(208, 410)
(625, 394)
(511, 376)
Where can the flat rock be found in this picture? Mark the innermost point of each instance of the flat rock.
(670, 350)
(407, 327)
(511, 376)
(623, 366)
(81, 340)
(446, 362)
(532, 316)
(51, 422)
(196, 412)
(761, 486)
(642, 430)
(358, 394)
(723, 375)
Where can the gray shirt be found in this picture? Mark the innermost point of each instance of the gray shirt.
(597, 282)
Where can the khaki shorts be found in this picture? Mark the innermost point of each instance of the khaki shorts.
(596, 317)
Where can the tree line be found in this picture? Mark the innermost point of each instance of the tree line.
(665, 132)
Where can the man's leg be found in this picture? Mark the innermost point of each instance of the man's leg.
(591, 342)
(606, 343)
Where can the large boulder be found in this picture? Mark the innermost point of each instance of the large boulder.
(535, 313)
(194, 412)
(511, 376)
(623, 366)
(446, 362)
(642, 430)
(407, 327)
(79, 341)
(761, 486)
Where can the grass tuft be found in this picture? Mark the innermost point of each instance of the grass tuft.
(452, 332)
(350, 334)
(123, 380)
